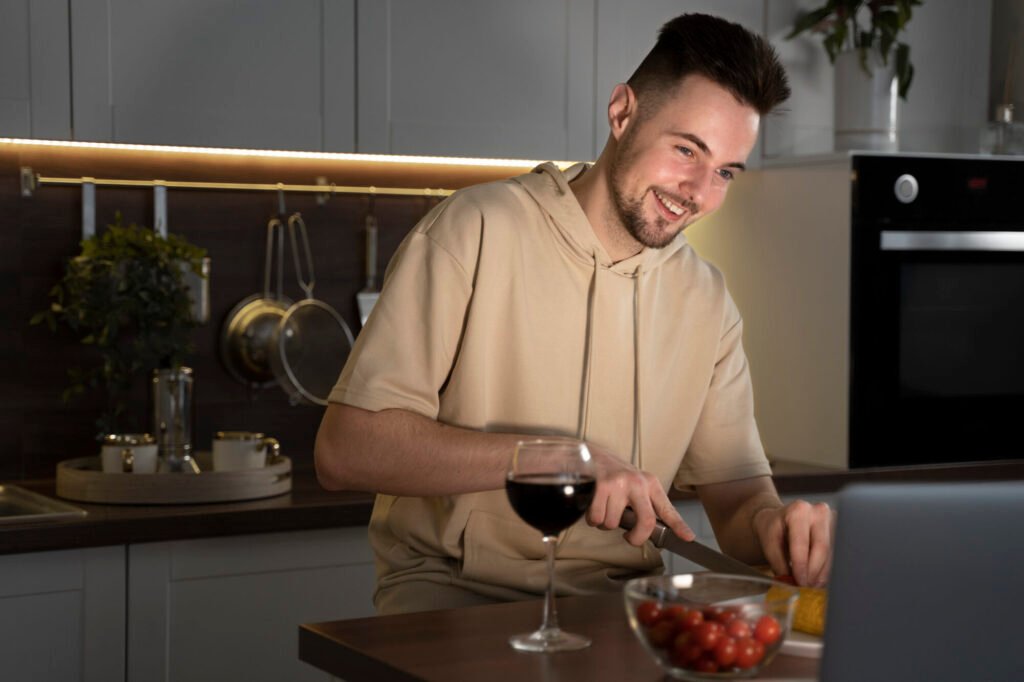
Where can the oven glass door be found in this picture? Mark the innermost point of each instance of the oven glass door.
(938, 349)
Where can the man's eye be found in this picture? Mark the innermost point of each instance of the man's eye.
(726, 174)
(686, 151)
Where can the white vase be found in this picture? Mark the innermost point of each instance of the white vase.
(867, 107)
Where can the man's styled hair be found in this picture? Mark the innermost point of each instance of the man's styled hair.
(728, 54)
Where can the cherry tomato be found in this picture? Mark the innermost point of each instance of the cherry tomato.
(673, 612)
(749, 652)
(726, 615)
(708, 633)
(738, 629)
(767, 630)
(661, 633)
(713, 612)
(725, 651)
(648, 612)
(691, 620)
(685, 651)
(706, 664)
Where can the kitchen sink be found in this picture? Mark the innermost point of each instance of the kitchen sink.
(18, 505)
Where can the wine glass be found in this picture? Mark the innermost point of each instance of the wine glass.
(550, 484)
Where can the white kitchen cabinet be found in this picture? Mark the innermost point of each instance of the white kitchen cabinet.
(229, 608)
(62, 615)
(35, 72)
(258, 74)
(487, 78)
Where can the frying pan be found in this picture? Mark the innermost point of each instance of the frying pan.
(311, 342)
(246, 335)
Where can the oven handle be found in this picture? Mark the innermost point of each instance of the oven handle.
(952, 241)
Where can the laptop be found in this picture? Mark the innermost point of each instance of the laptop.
(927, 583)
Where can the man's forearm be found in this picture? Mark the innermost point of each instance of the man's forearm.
(402, 453)
(732, 507)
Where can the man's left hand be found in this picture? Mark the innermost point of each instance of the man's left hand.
(797, 540)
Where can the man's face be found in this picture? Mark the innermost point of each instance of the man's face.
(673, 166)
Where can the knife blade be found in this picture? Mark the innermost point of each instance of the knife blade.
(698, 553)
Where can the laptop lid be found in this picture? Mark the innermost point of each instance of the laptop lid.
(927, 584)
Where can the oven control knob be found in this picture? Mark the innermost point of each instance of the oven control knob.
(906, 188)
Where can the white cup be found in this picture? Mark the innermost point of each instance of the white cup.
(129, 453)
(239, 450)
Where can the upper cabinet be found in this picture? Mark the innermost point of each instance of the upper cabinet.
(35, 74)
(528, 79)
(260, 74)
(487, 78)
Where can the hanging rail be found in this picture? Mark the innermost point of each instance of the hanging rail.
(31, 180)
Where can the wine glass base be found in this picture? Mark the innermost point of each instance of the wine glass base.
(549, 640)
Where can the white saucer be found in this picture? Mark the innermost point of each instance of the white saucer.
(802, 644)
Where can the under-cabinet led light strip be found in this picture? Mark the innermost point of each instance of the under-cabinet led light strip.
(272, 153)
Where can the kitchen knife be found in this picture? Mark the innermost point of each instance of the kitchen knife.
(698, 553)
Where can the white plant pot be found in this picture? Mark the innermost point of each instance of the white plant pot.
(867, 107)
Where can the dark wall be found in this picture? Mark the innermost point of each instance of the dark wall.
(39, 233)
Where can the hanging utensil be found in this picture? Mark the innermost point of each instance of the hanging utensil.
(311, 342)
(245, 342)
(367, 298)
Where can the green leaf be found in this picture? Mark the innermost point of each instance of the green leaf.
(841, 22)
(904, 69)
(809, 21)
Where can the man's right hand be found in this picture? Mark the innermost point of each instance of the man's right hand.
(621, 485)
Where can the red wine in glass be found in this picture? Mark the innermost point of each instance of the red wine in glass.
(550, 484)
(550, 502)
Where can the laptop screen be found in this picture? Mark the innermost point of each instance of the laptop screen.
(927, 584)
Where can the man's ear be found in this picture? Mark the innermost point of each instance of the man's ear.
(622, 109)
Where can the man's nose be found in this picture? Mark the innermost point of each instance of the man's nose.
(696, 185)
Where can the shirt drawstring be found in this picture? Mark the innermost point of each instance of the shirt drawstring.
(637, 456)
(584, 416)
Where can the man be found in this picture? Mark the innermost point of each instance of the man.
(570, 304)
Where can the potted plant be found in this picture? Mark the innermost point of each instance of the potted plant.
(872, 66)
(842, 25)
(125, 296)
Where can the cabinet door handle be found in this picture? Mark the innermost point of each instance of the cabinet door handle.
(952, 241)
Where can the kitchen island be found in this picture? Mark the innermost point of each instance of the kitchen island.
(135, 591)
(472, 644)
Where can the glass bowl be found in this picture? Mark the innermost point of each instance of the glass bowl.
(701, 626)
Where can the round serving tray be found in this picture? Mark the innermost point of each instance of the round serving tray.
(83, 480)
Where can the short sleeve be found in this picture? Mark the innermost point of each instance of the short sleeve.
(404, 354)
(726, 444)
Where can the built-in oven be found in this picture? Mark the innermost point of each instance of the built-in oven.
(936, 310)
(882, 297)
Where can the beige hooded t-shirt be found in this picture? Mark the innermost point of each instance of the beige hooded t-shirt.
(501, 311)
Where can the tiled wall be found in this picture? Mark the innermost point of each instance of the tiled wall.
(39, 233)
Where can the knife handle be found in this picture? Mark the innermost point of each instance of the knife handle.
(628, 522)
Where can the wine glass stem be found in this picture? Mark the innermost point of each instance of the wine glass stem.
(550, 613)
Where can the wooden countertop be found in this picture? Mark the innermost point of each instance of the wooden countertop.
(308, 506)
(472, 644)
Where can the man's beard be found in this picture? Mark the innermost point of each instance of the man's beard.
(630, 211)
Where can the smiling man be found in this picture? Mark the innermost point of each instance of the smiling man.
(569, 303)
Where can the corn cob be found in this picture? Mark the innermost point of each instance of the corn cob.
(809, 615)
(809, 611)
